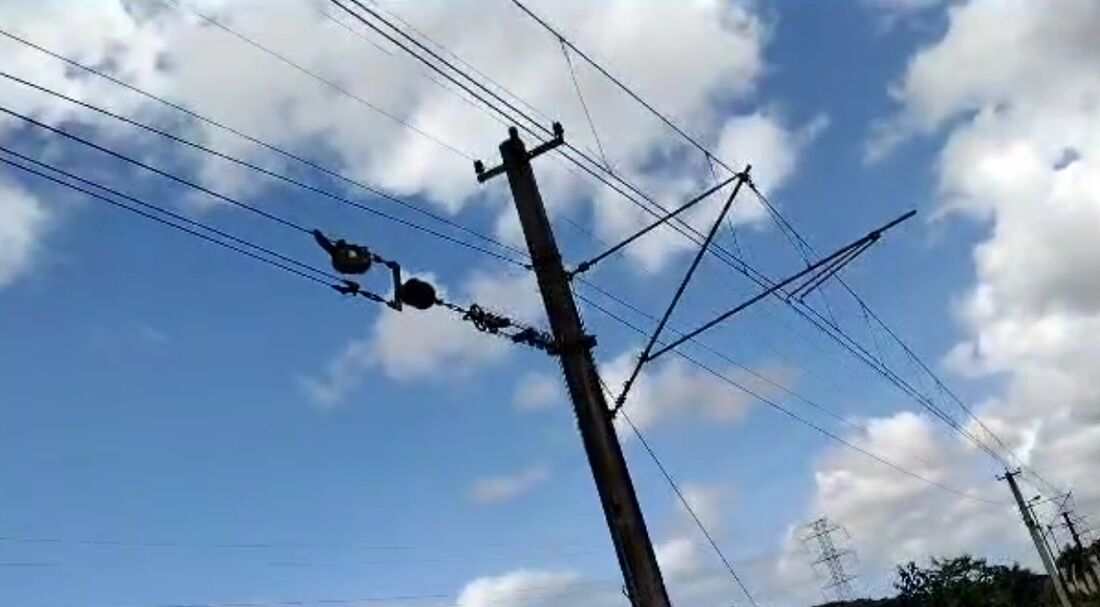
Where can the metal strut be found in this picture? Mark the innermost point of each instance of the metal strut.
(813, 276)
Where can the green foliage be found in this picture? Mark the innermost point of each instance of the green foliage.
(968, 582)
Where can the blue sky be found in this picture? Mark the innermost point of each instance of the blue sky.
(160, 443)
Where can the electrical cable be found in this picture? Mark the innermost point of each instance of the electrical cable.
(157, 209)
(683, 499)
(789, 231)
(528, 594)
(251, 139)
(180, 180)
(543, 130)
(784, 410)
(286, 179)
(584, 105)
(312, 74)
(764, 200)
(475, 315)
(183, 228)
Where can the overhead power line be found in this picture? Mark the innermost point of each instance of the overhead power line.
(690, 232)
(251, 139)
(285, 179)
(756, 395)
(684, 501)
(412, 292)
(789, 231)
(725, 256)
(522, 120)
(155, 209)
(528, 594)
(314, 75)
(193, 228)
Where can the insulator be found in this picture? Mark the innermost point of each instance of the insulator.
(418, 294)
(350, 259)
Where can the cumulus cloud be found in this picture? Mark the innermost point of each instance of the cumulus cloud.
(891, 517)
(539, 588)
(178, 55)
(895, 517)
(497, 489)
(433, 343)
(1023, 156)
(673, 389)
(23, 220)
(1015, 87)
(538, 392)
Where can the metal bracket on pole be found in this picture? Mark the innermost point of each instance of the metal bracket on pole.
(513, 134)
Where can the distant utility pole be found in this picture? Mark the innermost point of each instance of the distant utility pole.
(832, 558)
(644, 584)
(1093, 560)
(1037, 537)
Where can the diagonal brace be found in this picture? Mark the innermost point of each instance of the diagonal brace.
(741, 177)
(857, 245)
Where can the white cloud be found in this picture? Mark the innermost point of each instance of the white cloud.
(1024, 155)
(1015, 86)
(760, 140)
(891, 517)
(538, 392)
(678, 556)
(708, 503)
(673, 389)
(433, 343)
(538, 588)
(497, 489)
(178, 56)
(23, 220)
(903, 6)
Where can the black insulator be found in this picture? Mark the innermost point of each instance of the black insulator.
(350, 258)
(418, 294)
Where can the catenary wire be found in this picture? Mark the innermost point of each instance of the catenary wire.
(158, 209)
(251, 139)
(702, 345)
(629, 186)
(289, 224)
(584, 105)
(183, 228)
(628, 197)
(525, 596)
(314, 75)
(789, 413)
(281, 177)
(799, 243)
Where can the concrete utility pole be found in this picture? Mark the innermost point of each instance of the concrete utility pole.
(1037, 537)
(1094, 566)
(644, 584)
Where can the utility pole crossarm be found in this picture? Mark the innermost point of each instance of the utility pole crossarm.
(587, 265)
(841, 257)
(573, 347)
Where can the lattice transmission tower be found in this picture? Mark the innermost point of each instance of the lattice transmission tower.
(832, 557)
